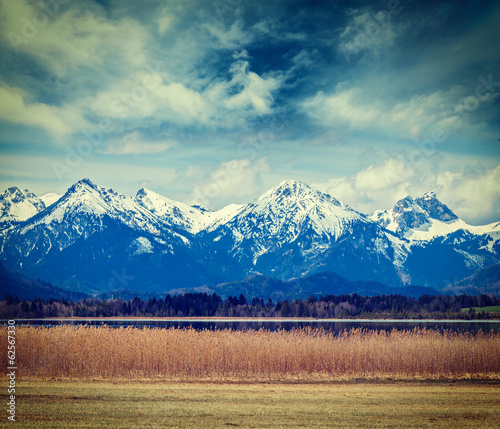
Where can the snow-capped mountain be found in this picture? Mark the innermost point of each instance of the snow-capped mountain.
(189, 218)
(85, 199)
(92, 233)
(425, 218)
(18, 206)
(94, 239)
(442, 247)
(293, 229)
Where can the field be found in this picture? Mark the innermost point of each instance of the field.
(489, 309)
(78, 377)
(86, 352)
(104, 404)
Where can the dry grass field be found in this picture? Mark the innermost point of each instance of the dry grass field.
(85, 352)
(116, 405)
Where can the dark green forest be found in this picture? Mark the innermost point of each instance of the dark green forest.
(210, 305)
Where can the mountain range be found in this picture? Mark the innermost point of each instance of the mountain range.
(94, 240)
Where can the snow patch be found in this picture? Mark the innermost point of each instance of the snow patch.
(142, 246)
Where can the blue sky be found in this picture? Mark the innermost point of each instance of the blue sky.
(214, 102)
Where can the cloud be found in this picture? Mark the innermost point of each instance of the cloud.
(377, 186)
(256, 92)
(15, 108)
(222, 103)
(367, 32)
(71, 37)
(146, 95)
(231, 182)
(135, 143)
(98, 62)
(357, 108)
(243, 54)
(343, 108)
(472, 193)
(231, 38)
(164, 21)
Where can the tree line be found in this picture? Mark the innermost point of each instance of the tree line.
(209, 305)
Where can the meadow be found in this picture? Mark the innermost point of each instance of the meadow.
(127, 404)
(85, 352)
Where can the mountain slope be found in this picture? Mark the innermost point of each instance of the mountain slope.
(292, 230)
(442, 247)
(425, 218)
(176, 214)
(90, 235)
(17, 206)
(484, 281)
(322, 283)
(20, 286)
(95, 240)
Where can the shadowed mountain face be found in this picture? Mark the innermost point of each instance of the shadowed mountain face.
(93, 239)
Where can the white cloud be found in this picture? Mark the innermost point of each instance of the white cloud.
(359, 109)
(256, 92)
(72, 37)
(100, 64)
(473, 195)
(231, 38)
(345, 108)
(15, 108)
(377, 186)
(367, 31)
(231, 182)
(148, 95)
(243, 54)
(221, 103)
(188, 104)
(136, 144)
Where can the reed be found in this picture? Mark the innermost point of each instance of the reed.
(84, 352)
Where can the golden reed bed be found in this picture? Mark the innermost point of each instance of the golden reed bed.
(303, 354)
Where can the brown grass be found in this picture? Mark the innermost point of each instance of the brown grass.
(303, 354)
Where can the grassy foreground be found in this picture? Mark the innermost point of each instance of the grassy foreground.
(103, 404)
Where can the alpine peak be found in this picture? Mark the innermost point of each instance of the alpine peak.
(17, 206)
(289, 187)
(435, 208)
(289, 231)
(83, 184)
(290, 191)
(429, 195)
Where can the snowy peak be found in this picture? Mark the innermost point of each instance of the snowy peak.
(421, 219)
(293, 191)
(409, 215)
(289, 210)
(86, 203)
(18, 206)
(435, 208)
(85, 197)
(175, 213)
(189, 218)
(404, 217)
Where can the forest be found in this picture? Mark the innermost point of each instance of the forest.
(213, 305)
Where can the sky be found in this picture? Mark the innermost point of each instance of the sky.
(215, 102)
